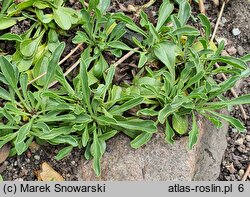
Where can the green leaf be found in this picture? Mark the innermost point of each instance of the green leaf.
(85, 137)
(126, 106)
(103, 5)
(140, 140)
(85, 83)
(193, 134)
(4, 94)
(5, 5)
(184, 12)
(6, 22)
(238, 63)
(169, 133)
(96, 152)
(9, 71)
(11, 37)
(28, 47)
(206, 24)
(169, 109)
(107, 135)
(3, 126)
(147, 112)
(119, 45)
(180, 123)
(62, 19)
(245, 99)
(233, 121)
(164, 12)
(63, 152)
(186, 30)
(65, 139)
(104, 120)
(139, 125)
(143, 60)
(53, 64)
(165, 52)
(21, 136)
(196, 78)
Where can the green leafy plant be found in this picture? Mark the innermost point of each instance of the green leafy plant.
(101, 33)
(35, 46)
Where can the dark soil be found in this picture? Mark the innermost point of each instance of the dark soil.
(237, 155)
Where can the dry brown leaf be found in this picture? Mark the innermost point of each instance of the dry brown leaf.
(47, 173)
(4, 152)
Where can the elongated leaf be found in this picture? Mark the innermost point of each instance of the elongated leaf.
(3, 126)
(96, 152)
(119, 45)
(224, 86)
(85, 83)
(21, 136)
(245, 99)
(193, 134)
(65, 139)
(11, 37)
(140, 140)
(238, 63)
(104, 120)
(9, 71)
(127, 105)
(108, 135)
(4, 94)
(165, 10)
(206, 24)
(138, 124)
(169, 133)
(85, 137)
(5, 5)
(63, 152)
(186, 30)
(196, 78)
(184, 12)
(53, 64)
(233, 121)
(103, 5)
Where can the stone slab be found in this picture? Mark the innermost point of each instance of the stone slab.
(159, 161)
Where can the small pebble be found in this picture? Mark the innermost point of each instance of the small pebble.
(234, 130)
(241, 50)
(73, 162)
(248, 138)
(232, 50)
(239, 141)
(223, 20)
(15, 163)
(236, 31)
(241, 172)
(37, 157)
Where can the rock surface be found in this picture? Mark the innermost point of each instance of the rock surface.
(159, 161)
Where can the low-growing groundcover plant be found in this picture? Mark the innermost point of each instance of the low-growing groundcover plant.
(175, 80)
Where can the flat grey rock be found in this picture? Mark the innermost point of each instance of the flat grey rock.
(159, 161)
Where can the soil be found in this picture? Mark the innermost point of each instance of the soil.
(237, 156)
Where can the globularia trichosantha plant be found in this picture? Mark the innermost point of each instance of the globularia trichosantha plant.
(175, 81)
